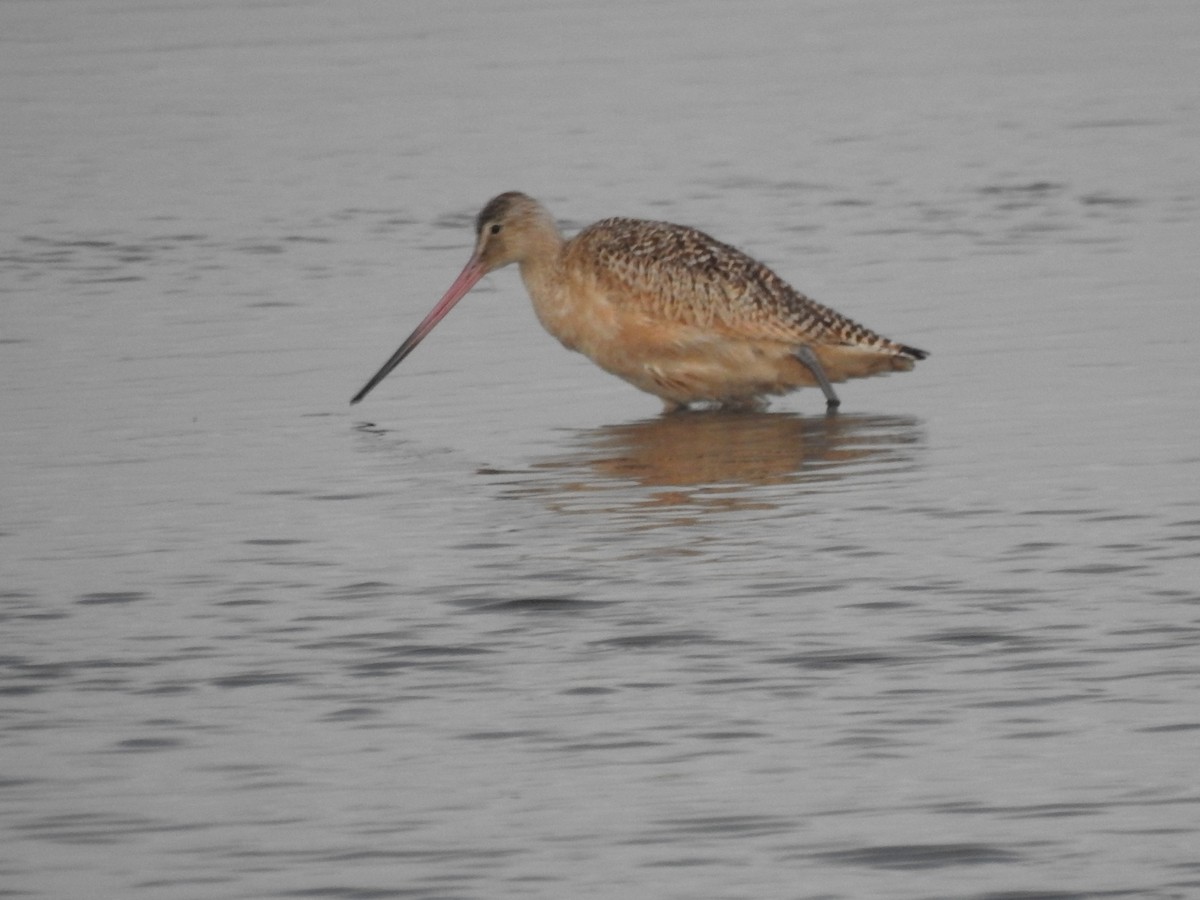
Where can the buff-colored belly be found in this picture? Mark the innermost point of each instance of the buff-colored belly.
(687, 363)
(684, 364)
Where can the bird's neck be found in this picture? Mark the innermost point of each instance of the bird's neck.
(546, 281)
(541, 262)
(542, 275)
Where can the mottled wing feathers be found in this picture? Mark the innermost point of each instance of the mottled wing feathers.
(684, 275)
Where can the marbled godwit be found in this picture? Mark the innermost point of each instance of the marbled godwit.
(668, 308)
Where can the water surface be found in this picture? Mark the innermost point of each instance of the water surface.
(502, 630)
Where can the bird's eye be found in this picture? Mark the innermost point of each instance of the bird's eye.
(495, 229)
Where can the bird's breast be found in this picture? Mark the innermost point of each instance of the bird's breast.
(576, 310)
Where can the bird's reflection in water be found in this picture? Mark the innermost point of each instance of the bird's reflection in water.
(702, 456)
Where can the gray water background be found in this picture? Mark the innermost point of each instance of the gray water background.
(501, 631)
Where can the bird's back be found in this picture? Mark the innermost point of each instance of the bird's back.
(679, 273)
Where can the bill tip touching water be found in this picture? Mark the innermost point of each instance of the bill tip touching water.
(669, 309)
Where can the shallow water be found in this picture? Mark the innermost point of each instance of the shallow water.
(502, 630)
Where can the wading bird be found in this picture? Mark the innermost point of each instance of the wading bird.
(668, 308)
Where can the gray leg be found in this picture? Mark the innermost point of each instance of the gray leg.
(806, 356)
